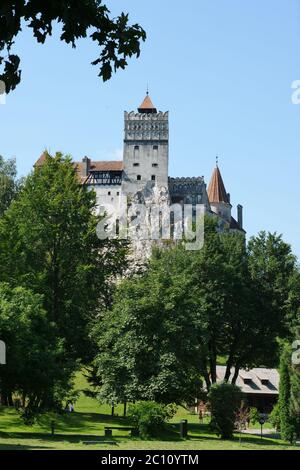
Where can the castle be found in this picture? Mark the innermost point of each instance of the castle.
(144, 171)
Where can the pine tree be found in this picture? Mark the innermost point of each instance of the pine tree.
(287, 427)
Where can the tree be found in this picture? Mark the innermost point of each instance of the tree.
(37, 372)
(212, 299)
(274, 417)
(9, 185)
(116, 39)
(288, 409)
(294, 338)
(254, 415)
(48, 243)
(287, 427)
(273, 268)
(225, 400)
(223, 294)
(235, 315)
(147, 341)
(150, 417)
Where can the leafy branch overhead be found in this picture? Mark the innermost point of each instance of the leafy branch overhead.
(116, 38)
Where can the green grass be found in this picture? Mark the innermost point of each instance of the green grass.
(89, 419)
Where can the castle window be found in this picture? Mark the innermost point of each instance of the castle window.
(139, 177)
(136, 164)
(118, 194)
(109, 193)
(155, 165)
(153, 177)
(136, 152)
(155, 153)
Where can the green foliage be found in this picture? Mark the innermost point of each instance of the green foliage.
(48, 243)
(37, 371)
(151, 323)
(58, 276)
(9, 185)
(273, 269)
(286, 413)
(287, 418)
(242, 417)
(225, 400)
(117, 40)
(293, 337)
(150, 417)
(274, 417)
(254, 415)
(219, 299)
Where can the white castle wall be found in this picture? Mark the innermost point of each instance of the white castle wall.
(146, 150)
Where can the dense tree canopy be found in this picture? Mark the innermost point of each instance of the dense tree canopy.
(117, 40)
(37, 371)
(289, 392)
(148, 342)
(170, 326)
(273, 268)
(9, 184)
(48, 244)
(287, 414)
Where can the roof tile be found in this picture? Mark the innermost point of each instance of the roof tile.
(216, 190)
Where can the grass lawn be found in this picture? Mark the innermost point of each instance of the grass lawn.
(87, 424)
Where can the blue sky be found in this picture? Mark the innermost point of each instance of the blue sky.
(223, 68)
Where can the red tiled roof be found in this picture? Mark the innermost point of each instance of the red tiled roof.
(41, 160)
(147, 105)
(113, 165)
(102, 165)
(216, 190)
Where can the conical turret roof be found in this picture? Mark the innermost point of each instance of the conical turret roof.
(147, 105)
(216, 190)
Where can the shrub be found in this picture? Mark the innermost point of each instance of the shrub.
(150, 417)
(254, 415)
(274, 417)
(225, 400)
(242, 418)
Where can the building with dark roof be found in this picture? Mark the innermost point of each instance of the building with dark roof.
(260, 386)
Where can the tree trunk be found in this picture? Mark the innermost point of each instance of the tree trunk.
(52, 428)
(213, 364)
(236, 374)
(6, 399)
(113, 410)
(228, 368)
(125, 408)
(207, 379)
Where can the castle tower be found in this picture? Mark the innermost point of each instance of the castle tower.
(146, 148)
(218, 198)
